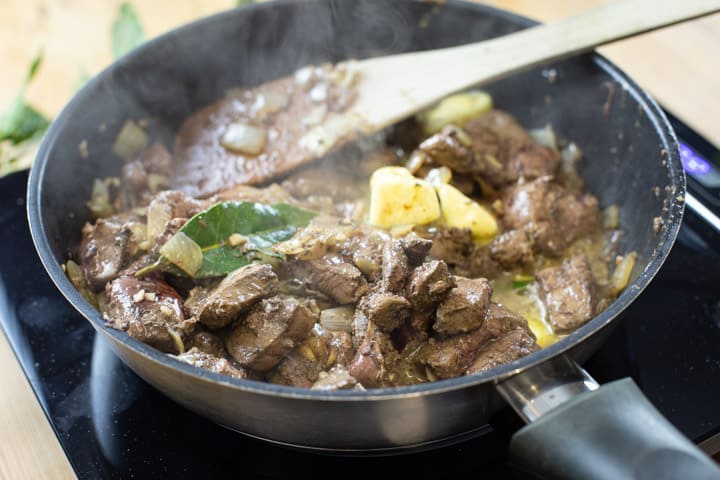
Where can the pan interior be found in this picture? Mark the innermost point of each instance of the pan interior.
(630, 151)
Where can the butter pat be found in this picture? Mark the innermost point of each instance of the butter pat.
(398, 198)
(462, 212)
(457, 109)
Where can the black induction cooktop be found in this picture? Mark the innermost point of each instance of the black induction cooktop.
(113, 425)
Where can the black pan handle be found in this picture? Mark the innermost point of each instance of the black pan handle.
(608, 432)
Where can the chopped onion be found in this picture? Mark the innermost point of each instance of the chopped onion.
(611, 217)
(130, 141)
(319, 92)
(177, 339)
(570, 156)
(304, 75)
(158, 214)
(439, 175)
(157, 182)
(621, 276)
(99, 203)
(270, 102)
(244, 138)
(544, 136)
(76, 275)
(416, 161)
(182, 251)
(339, 318)
(316, 116)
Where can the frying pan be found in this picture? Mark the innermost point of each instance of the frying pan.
(576, 429)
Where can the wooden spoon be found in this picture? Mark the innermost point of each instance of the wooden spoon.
(389, 89)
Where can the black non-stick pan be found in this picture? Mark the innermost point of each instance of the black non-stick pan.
(576, 429)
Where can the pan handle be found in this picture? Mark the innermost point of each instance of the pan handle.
(578, 429)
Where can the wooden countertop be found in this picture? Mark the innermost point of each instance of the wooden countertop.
(676, 64)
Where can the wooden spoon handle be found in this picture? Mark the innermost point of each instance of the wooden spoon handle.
(423, 78)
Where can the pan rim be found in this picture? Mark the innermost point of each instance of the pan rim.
(672, 216)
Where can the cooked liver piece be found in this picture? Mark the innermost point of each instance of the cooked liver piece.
(154, 159)
(512, 248)
(464, 307)
(149, 310)
(236, 293)
(452, 356)
(374, 358)
(452, 245)
(394, 266)
(552, 216)
(296, 370)
(428, 284)
(568, 292)
(386, 310)
(506, 152)
(105, 250)
(206, 342)
(500, 319)
(272, 328)
(448, 149)
(210, 362)
(302, 366)
(416, 248)
(503, 350)
(334, 277)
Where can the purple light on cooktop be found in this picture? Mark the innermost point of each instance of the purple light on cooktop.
(692, 162)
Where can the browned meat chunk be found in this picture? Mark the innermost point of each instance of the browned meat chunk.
(503, 350)
(105, 249)
(512, 248)
(428, 284)
(394, 266)
(480, 263)
(464, 308)
(235, 294)
(272, 328)
(174, 204)
(374, 359)
(452, 245)
(210, 362)
(416, 248)
(452, 148)
(568, 292)
(334, 277)
(551, 216)
(452, 356)
(206, 342)
(154, 159)
(337, 378)
(499, 320)
(386, 310)
(149, 310)
(506, 152)
(297, 370)
(318, 352)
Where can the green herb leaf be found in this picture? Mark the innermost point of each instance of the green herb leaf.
(240, 3)
(127, 32)
(518, 284)
(22, 122)
(262, 226)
